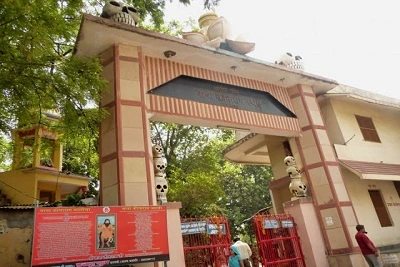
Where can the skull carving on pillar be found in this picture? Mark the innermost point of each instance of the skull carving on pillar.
(296, 187)
(160, 165)
(161, 189)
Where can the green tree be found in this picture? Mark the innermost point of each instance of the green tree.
(5, 153)
(192, 169)
(246, 191)
(80, 157)
(38, 71)
(205, 182)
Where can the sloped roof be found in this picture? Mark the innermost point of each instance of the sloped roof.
(363, 95)
(97, 34)
(362, 167)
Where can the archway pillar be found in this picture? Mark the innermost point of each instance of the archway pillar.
(126, 163)
(315, 156)
(127, 176)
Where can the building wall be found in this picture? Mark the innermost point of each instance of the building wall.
(279, 187)
(49, 187)
(358, 191)
(24, 182)
(15, 237)
(386, 121)
(277, 156)
(343, 130)
(331, 122)
(279, 197)
(23, 187)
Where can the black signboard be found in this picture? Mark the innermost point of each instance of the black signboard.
(221, 94)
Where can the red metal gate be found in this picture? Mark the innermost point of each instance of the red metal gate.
(206, 241)
(278, 241)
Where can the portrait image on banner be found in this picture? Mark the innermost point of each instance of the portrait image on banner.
(106, 232)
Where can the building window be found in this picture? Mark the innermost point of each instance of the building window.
(380, 208)
(367, 128)
(397, 186)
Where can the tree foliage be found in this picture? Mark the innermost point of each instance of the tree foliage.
(205, 182)
(39, 73)
(5, 153)
(247, 192)
(37, 69)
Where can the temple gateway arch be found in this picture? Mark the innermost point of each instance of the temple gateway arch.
(157, 77)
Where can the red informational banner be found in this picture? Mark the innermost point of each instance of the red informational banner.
(99, 236)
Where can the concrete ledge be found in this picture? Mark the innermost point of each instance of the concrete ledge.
(173, 205)
(298, 201)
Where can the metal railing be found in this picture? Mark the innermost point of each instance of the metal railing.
(278, 241)
(206, 241)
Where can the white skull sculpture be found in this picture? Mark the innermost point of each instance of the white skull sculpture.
(290, 61)
(158, 151)
(160, 164)
(161, 188)
(119, 12)
(298, 63)
(298, 188)
(132, 12)
(289, 161)
(110, 9)
(293, 171)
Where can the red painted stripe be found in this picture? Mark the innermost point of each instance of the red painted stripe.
(106, 158)
(120, 167)
(128, 58)
(146, 130)
(108, 61)
(277, 183)
(109, 105)
(130, 103)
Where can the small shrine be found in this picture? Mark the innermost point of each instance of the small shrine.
(36, 174)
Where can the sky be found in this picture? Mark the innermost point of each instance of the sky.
(356, 43)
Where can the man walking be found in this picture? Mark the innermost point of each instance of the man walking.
(244, 251)
(368, 249)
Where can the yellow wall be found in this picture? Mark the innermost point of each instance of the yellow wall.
(279, 197)
(49, 187)
(28, 184)
(331, 122)
(24, 184)
(387, 124)
(358, 191)
(62, 179)
(277, 156)
(339, 115)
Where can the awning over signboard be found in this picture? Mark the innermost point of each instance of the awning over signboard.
(372, 170)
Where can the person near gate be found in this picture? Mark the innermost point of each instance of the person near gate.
(235, 260)
(368, 249)
(244, 250)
